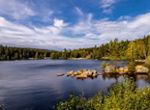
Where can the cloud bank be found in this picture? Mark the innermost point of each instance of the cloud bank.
(85, 33)
(15, 9)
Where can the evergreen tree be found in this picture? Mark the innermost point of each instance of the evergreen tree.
(131, 52)
(36, 55)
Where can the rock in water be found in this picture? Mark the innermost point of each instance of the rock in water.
(141, 69)
(82, 74)
(70, 73)
(60, 74)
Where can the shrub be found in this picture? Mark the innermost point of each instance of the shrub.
(148, 60)
(104, 64)
(122, 96)
(131, 66)
(73, 103)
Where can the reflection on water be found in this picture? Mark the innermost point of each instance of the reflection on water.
(145, 77)
(33, 85)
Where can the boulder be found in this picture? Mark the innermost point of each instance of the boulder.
(59, 74)
(81, 76)
(94, 75)
(76, 73)
(93, 71)
(109, 69)
(141, 69)
(70, 73)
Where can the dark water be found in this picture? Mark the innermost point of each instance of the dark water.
(33, 85)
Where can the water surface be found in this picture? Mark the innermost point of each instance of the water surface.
(33, 84)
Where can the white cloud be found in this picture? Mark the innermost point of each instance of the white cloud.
(15, 9)
(22, 10)
(85, 33)
(59, 23)
(107, 5)
(79, 11)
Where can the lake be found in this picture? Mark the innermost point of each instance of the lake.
(33, 84)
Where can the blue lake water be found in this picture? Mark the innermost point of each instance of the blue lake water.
(33, 84)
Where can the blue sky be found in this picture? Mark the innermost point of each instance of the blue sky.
(58, 24)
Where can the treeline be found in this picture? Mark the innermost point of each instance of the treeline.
(115, 49)
(14, 53)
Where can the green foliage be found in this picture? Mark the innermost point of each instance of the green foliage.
(148, 60)
(73, 103)
(14, 53)
(122, 96)
(45, 54)
(147, 63)
(131, 66)
(114, 50)
(104, 64)
(125, 96)
(54, 55)
(136, 49)
(36, 55)
(131, 52)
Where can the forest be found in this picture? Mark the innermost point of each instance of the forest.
(15, 53)
(114, 50)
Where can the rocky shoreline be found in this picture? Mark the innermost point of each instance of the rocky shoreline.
(82, 74)
(108, 69)
(125, 70)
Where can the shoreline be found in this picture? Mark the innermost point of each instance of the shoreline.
(66, 59)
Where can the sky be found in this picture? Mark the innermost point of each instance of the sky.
(71, 24)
